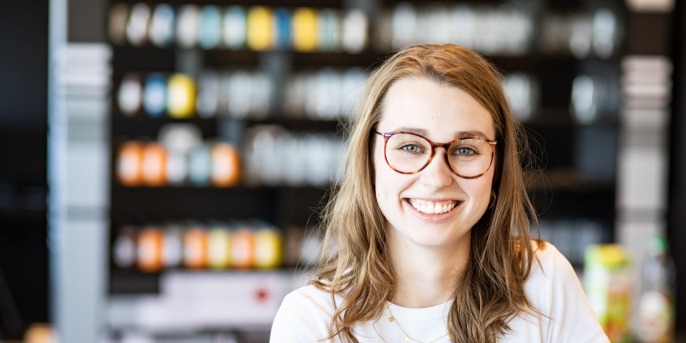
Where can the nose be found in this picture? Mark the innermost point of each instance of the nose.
(437, 174)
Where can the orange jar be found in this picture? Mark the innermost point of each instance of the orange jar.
(195, 248)
(226, 166)
(150, 249)
(154, 165)
(129, 161)
(243, 248)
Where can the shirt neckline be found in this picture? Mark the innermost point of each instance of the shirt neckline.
(420, 313)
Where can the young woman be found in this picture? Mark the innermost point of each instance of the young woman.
(428, 235)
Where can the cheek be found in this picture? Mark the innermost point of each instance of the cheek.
(479, 197)
(381, 183)
(481, 192)
(387, 183)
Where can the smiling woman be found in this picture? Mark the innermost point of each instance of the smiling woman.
(428, 235)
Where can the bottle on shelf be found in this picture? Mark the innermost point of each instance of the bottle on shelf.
(608, 282)
(654, 310)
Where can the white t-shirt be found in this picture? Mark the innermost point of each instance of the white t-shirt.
(552, 287)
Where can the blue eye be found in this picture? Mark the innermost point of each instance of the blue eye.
(464, 151)
(469, 147)
(413, 148)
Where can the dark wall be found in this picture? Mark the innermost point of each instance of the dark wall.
(23, 66)
(23, 165)
(676, 219)
(23, 91)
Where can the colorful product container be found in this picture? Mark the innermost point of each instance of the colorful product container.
(608, 282)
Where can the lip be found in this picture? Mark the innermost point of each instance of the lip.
(433, 217)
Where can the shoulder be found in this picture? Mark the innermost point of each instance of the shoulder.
(549, 264)
(310, 299)
(550, 272)
(304, 316)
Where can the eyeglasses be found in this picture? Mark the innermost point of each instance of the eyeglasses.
(409, 153)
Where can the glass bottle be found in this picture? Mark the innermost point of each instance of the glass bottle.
(655, 302)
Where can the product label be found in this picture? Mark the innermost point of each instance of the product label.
(655, 317)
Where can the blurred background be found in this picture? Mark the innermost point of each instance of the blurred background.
(162, 163)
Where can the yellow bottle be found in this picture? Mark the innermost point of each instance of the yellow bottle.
(305, 29)
(260, 28)
(181, 96)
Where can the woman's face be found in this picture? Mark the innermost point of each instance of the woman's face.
(434, 207)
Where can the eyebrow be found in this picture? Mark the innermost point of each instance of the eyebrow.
(458, 134)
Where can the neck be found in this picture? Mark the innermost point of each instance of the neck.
(427, 276)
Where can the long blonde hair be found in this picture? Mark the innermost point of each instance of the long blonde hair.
(359, 270)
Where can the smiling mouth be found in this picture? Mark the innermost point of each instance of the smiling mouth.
(433, 207)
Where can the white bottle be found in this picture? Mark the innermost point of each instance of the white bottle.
(655, 302)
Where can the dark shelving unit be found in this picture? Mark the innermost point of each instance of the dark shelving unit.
(564, 190)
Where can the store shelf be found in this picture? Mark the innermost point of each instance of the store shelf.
(149, 58)
(301, 124)
(141, 59)
(142, 126)
(133, 282)
(276, 204)
(124, 127)
(144, 204)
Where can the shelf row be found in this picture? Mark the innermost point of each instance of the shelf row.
(493, 29)
(325, 94)
(142, 255)
(198, 245)
(262, 155)
(258, 28)
(244, 245)
(254, 244)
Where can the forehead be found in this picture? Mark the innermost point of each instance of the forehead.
(436, 108)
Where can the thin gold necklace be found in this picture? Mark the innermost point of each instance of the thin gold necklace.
(391, 319)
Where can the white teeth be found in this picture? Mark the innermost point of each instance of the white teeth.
(433, 207)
